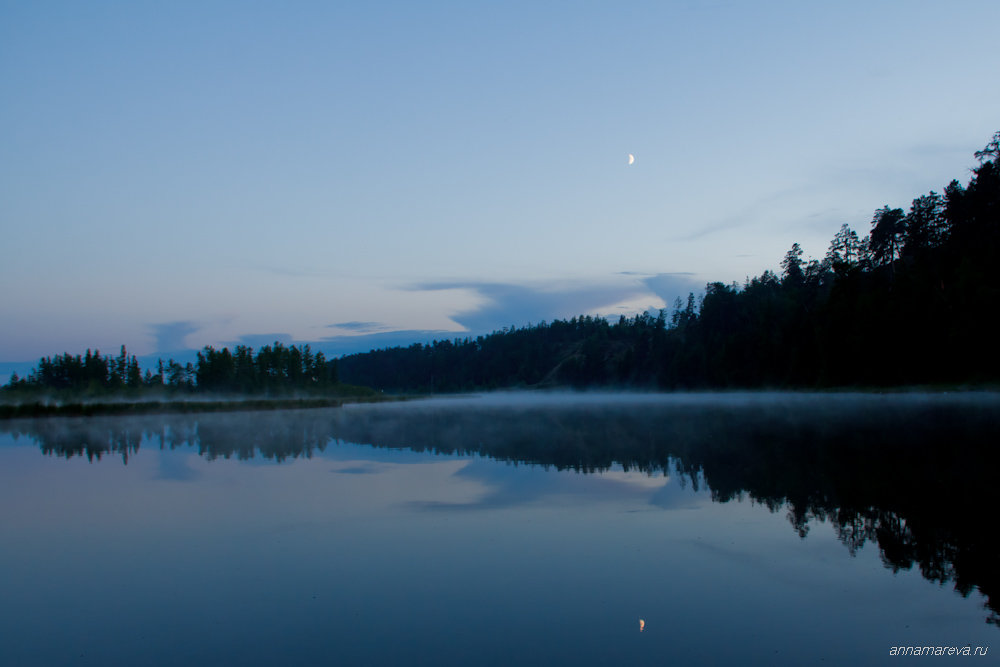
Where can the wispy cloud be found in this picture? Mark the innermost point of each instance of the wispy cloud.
(752, 213)
(707, 230)
(360, 327)
(507, 304)
(785, 208)
(501, 305)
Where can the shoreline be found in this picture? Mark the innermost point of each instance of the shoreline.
(77, 408)
(112, 407)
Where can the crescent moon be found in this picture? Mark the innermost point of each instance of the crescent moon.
(631, 158)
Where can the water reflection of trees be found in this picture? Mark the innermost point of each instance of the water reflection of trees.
(914, 477)
(276, 436)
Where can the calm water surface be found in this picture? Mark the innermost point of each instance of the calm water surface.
(506, 529)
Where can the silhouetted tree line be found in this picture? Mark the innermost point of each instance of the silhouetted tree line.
(89, 372)
(274, 369)
(912, 476)
(905, 303)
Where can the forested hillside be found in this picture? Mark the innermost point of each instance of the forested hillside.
(907, 303)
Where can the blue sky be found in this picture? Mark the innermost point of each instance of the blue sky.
(180, 174)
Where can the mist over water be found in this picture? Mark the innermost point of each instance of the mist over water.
(501, 512)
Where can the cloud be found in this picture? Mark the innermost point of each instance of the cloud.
(671, 286)
(360, 327)
(501, 305)
(507, 304)
(725, 224)
(786, 208)
(170, 335)
(783, 204)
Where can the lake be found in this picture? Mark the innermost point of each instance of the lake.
(529, 529)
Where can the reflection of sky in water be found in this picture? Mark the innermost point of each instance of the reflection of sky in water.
(510, 486)
(507, 485)
(363, 555)
(173, 467)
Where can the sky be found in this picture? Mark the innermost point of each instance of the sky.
(350, 175)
